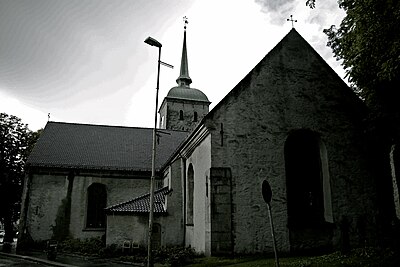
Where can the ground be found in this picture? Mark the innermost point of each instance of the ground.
(359, 257)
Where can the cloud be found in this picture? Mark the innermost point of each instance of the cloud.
(277, 10)
(51, 51)
(273, 5)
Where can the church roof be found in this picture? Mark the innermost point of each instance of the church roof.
(186, 93)
(142, 204)
(86, 146)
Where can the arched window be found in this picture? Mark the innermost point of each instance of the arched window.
(195, 116)
(181, 115)
(190, 188)
(96, 203)
(304, 181)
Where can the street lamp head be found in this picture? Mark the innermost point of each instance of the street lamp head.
(153, 42)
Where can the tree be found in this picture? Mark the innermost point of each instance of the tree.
(368, 43)
(16, 141)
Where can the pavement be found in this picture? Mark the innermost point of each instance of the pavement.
(31, 258)
(63, 260)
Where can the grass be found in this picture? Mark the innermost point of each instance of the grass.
(359, 257)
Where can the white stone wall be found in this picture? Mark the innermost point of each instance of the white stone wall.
(126, 227)
(48, 191)
(45, 196)
(198, 235)
(118, 190)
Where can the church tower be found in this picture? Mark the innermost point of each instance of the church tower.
(183, 107)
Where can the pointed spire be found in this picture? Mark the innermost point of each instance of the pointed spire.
(184, 79)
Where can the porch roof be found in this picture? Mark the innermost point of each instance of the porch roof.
(141, 204)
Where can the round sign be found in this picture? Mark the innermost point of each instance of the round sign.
(266, 191)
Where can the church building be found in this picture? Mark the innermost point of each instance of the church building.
(290, 121)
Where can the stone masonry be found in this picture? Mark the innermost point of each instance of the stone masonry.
(292, 88)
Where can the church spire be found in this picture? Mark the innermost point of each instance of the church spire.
(184, 79)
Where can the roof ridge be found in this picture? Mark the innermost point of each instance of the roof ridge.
(109, 126)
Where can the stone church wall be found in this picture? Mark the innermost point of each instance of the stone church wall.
(121, 227)
(46, 195)
(48, 200)
(170, 117)
(289, 90)
(124, 227)
(118, 190)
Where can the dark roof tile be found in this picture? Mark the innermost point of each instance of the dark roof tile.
(142, 204)
(85, 146)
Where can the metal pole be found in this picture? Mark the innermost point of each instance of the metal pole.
(153, 171)
(273, 235)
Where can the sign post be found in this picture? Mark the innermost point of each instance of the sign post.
(267, 195)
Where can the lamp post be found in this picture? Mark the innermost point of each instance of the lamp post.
(153, 42)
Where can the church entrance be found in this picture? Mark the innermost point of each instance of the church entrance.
(305, 194)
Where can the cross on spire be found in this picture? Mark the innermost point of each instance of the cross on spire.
(184, 79)
(185, 22)
(292, 20)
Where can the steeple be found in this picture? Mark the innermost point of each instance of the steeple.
(183, 107)
(184, 80)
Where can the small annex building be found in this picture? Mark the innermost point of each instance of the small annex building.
(291, 121)
(77, 170)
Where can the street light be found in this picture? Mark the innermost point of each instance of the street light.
(153, 42)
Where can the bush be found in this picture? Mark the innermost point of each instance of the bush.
(91, 246)
(175, 256)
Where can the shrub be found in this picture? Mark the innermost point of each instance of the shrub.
(175, 256)
(91, 246)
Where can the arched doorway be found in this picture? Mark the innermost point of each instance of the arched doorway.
(308, 191)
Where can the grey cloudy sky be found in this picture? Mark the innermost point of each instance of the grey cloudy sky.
(85, 60)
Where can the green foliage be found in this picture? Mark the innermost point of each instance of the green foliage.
(175, 256)
(310, 3)
(15, 138)
(368, 43)
(170, 256)
(90, 246)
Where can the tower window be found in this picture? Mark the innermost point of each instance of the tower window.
(181, 115)
(195, 116)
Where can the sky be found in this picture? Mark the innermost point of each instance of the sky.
(85, 61)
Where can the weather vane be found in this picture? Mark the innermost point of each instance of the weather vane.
(48, 116)
(292, 20)
(185, 21)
